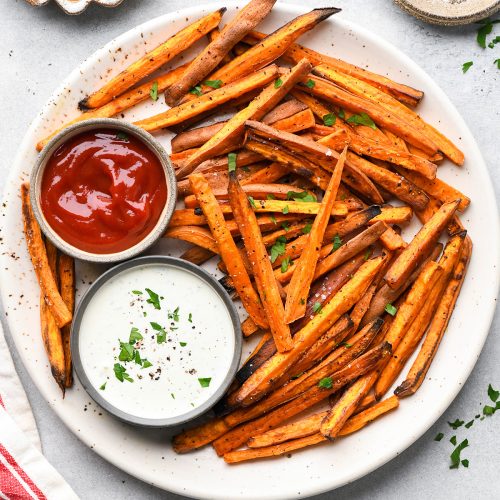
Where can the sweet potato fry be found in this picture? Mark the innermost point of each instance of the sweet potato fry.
(153, 60)
(228, 249)
(238, 456)
(260, 263)
(438, 325)
(203, 103)
(394, 215)
(38, 255)
(369, 147)
(261, 381)
(121, 103)
(239, 435)
(298, 290)
(270, 48)
(417, 329)
(197, 255)
(438, 189)
(209, 58)
(66, 272)
(193, 234)
(349, 249)
(266, 175)
(403, 93)
(199, 436)
(380, 115)
(233, 128)
(416, 251)
(339, 208)
(51, 334)
(284, 110)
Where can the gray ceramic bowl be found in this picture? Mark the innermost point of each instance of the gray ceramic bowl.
(97, 396)
(93, 124)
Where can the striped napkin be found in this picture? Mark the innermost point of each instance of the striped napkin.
(24, 471)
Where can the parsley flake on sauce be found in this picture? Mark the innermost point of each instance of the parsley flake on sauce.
(154, 299)
(205, 382)
(121, 373)
(161, 335)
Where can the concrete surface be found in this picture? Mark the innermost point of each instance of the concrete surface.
(39, 47)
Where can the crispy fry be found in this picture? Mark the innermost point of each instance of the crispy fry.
(418, 327)
(239, 435)
(284, 110)
(66, 272)
(339, 208)
(419, 247)
(193, 234)
(51, 334)
(208, 59)
(437, 328)
(438, 189)
(260, 263)
(153, 60)
(121, 103)
(298, 290)
(203, 103)
(233, 129)
(197, 255)
(271, 48)
(380, 115)
(394, 215)
(261, 381)
(228, 249)
(38, 255)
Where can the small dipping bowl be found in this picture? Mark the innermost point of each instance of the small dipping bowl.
(156, 341)
(124, 130)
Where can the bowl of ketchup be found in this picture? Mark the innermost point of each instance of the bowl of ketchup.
(103, 190)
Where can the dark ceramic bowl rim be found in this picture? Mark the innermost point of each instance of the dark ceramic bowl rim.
(93, 124)
(98, 396)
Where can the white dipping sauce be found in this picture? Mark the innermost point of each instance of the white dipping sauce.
(187, 366)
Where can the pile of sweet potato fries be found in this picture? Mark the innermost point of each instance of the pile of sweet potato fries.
(292, 192)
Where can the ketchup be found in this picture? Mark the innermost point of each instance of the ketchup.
(103, 191)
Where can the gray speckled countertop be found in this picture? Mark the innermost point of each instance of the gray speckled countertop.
(39, 47)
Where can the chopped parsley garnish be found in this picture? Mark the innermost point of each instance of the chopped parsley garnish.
(468, 425)
(493, 42)
(278, 248)
(161, 336)
(326, 383)
(493, 395)
(488, 410)
(121, 373)
(317, 307)
(103, 386)
(362, 119)
(127, 352)
(273, 218)
(136, 292)
(137, 358)
(367, 254)
(205, 382)
(196, 90)
(466, 66)
(347, 345)
(285, 226)
(122, 136)
(453, 440)
(455, 456)
(337, 243)
(390, 309)
(295, 377)
(153, 93)
(286, 210)
(231, 162)
(154, 299)
(465, 462)
(183, 344)
(173, 395)
(190, 317)
(252, 202)
(484, 31)
(302, 196)
(146, 363)
(285, 264)
(341, 113)
(215, 84)
(307, 228)
(135, 335)
(497, 62)
(329, 119)
(175, 314)
(455, 425)
(278, 83)
(439, 436)
(310, 83)
(270, 196)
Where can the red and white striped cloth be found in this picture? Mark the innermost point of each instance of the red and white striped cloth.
(24, 471)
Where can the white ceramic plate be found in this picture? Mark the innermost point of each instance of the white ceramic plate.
(148, 454)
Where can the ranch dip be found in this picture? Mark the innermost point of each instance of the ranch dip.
(156, 341)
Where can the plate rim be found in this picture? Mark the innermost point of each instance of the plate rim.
(481, 169)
